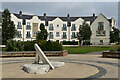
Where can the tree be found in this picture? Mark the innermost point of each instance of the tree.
(84, 32)
(42, 34)
(114, 35)
(8, 27)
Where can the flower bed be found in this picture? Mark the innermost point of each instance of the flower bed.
(111, 54)
(32, 53)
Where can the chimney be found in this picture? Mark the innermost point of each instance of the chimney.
(44, 15)
(20, 13)
(93, 14)
(68, 15)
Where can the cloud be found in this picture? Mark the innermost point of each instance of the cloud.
(109, 9)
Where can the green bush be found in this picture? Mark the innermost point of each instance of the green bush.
(114, 48)
(70, 43)
(42, 45)
(14, 46)
(50, 46)
(86, 43)
(29, 45)
(118, 48)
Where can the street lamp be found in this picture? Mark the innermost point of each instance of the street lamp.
(23, 23)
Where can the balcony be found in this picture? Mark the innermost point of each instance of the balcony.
(19, 36)
(64, 36)
(51, 37)
(19, 26)
(28, 27)
(73, 37)
(73, 29)
(64, 29)
(28, 36)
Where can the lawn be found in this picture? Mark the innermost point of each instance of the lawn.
(84, 49)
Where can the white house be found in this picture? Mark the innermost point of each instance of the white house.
(63, 28)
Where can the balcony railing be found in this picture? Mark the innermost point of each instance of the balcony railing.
(73, 37)
(73, 29)
(19, 26)
(28, 36)
(19, 36)
(64, 36)
(28, 27)
(51, 28)
(64, 29)
(51, 36)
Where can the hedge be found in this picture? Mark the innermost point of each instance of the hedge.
(70, 43)
(29, 45)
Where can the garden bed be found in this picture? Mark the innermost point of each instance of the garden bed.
(32, 53)
(111, 54)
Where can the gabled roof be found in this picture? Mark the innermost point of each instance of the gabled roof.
(89, 18)
(51, 18)
(23, 16)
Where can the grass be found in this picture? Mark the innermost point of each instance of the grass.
(84, 49)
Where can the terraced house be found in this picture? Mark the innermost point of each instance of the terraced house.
(63, 28)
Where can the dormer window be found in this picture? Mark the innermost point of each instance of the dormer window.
(100, 26)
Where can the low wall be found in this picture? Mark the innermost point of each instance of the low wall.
(32, 53)
(111, 54)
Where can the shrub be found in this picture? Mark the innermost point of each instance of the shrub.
(29, 46)
(113, 48)
(50, 45)
(70, 43)
(118, 48)
(86, 43)
(57, 46)
(14, 46)
(43, 44)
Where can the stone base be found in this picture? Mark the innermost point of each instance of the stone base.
(40, 68)
(36, 68)
(57, 64)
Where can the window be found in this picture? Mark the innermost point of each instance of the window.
(28, 25)
(35, 24)
(19, 26)
(98, 33)
(51, 35)
(103, 33)
(57, 34)
(28, 35)
(100, 26)
(64, 35)
(73, 35)
(101, 41)
(51, 27)
(64, 28)
(73, 27)
(35, 32)
(19, 35)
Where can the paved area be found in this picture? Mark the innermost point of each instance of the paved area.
(77, 66)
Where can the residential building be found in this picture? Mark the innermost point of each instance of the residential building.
(63, 28)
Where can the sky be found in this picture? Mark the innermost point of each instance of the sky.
(109, 9)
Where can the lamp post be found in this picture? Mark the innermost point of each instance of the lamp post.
(23, 23)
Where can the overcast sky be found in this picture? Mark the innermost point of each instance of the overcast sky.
(109, 9)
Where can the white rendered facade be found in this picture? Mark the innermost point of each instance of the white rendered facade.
(56, 32)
